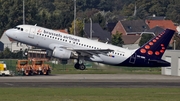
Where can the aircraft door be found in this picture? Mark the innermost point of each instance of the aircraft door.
(32, 32)
(133, 58)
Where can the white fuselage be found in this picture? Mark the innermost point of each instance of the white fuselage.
(47, 38)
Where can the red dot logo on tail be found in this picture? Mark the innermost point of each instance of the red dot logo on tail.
(147, 47)
(143, 51)
(151, 43)
(150, 52)
(157, 53)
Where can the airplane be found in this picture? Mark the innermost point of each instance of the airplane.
(66, 46)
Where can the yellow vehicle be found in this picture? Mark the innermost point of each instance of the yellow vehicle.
(2, 67)
(3, 70)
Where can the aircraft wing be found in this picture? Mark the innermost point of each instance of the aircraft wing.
(82, 51)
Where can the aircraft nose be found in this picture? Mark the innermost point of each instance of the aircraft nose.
(9, 32)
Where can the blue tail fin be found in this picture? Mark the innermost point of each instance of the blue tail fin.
(156, 47)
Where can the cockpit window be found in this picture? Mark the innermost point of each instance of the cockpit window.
(18, 28)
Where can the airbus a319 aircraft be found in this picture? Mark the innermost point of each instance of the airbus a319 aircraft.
(66, 46)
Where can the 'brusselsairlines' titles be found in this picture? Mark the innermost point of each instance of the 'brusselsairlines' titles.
(59, 35)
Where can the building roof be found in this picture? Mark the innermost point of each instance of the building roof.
(1, 46)
(156, 30)
(161, 23)
(110, 26)
(4, 39)
(97, 32)
(130, 39)
(134, 25)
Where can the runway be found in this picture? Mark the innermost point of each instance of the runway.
(91, 80)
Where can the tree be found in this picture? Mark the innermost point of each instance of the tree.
(78, 28)
(177, 42)
(159, 7)
(117, 40)
(98, 18)
(59, 14)
(145, 38)
(7, 53)
(173, 13)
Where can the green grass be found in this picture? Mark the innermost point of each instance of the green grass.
(94, 69)
(89, 94)
(69, 69)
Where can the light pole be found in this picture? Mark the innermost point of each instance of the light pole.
(23, 13)
(174, 44)
(90, 28)
(74, 17)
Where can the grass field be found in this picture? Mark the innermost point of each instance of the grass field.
(93, 69)
(89, 94)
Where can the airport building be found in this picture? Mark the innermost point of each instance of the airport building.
(173, 57)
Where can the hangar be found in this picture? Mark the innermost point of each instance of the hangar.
(172, 56)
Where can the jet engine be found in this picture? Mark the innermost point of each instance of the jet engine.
(62, 53)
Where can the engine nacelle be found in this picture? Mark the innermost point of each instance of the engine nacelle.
(62, 53)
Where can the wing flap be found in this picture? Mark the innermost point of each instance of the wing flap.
(93, 52)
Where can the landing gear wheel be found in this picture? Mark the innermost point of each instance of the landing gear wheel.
(82, 67)
(77, 65)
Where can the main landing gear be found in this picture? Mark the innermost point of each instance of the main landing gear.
(79, 65)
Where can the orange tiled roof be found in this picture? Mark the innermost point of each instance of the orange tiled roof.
(161, 23)
(64, 31)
